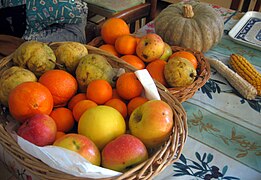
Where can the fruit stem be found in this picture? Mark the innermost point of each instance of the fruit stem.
(60, 66)
(188, 11)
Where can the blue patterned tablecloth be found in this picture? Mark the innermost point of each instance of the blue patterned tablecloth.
(224, 140)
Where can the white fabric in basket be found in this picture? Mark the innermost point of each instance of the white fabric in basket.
(65, 160)
(148, 84)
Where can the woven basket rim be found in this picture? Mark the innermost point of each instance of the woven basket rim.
(181, 93)
(168, 153)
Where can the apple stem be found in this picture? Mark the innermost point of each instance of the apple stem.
(188, 11)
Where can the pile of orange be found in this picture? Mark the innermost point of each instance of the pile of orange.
(119, 42)
(56, 94)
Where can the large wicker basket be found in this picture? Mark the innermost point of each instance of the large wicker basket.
(168, 153)
(181, 93)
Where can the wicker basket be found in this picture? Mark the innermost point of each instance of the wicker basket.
(181, 93)
(168, 153)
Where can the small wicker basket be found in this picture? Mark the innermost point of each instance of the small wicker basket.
(181, 93)
(168, 153)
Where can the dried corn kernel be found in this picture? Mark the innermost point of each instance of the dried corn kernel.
(241, 85)
(246, 70)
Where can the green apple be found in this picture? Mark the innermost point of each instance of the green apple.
(152, 122)
(150, 47)
(101, 124)
(166, 53)
(82, 145)
(124, 152)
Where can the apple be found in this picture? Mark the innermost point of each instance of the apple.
(150, 47)
(82, 145)
(166, 53)
(152, 122)
(101, 124)
(124, 152)
(40, 129)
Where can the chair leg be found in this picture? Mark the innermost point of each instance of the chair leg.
(132, 27)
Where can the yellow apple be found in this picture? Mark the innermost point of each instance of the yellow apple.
(82, 145)
(150, 47)
(152, 122)
(124, 152)
(101, 124)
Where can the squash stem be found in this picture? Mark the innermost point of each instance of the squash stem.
(188, 11)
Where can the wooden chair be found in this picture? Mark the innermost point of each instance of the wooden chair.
(239, 5)
(132, 12)
(250, 5)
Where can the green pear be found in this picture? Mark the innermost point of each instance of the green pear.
(36, 56)
(92, 67)
(12, 77)
(166, 53)
(179, 72)
(69, 55)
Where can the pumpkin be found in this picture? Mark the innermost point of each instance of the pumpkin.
(191, 25)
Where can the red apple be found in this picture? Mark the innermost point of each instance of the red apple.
(152, 122)
(166, 53)
(82, 145)
(40, 130)
(150, 47)
(123, 152)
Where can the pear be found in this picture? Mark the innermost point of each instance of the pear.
(12, 77)
(92, 67)
(36, 56)
(69, 54)
(179, 72)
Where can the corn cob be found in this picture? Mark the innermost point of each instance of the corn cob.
(246, 70)
(241, 85)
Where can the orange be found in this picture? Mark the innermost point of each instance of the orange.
(113, 28)
(81, 107)
(137, 40)
(187, 55)
(99, 91)
(59, 134)
(110, 49)
(61, 84)
(28, 99)
(134, 61)
(119, 105)
(134, 103)
(126, 44)
(75, 99)
(63, 118)
(128, 86)
(115, 94)
(156, 70)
